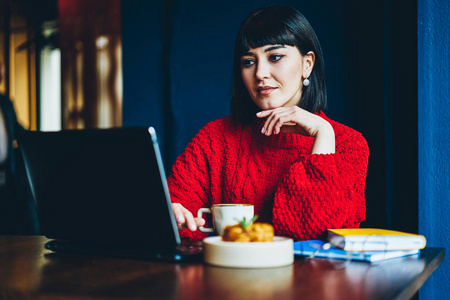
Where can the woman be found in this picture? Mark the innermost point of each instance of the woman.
(303, 172)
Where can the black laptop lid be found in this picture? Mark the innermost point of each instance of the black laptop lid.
(100, 185)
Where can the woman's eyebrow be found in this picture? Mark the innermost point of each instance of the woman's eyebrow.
(249, 53)
(274, 48)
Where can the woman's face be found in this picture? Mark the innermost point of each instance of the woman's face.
(273, 74)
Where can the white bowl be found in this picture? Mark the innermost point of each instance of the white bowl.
(278, 253)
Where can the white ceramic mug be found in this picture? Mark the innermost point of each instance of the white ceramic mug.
(226, 215)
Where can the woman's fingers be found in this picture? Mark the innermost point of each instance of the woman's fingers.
(200, 222)
(190, 222)
(184, 218)
(275, 119)
(281, 119)
(178, 213)
(296, 120)
(290, 120)
(269, 115)
(264, 113)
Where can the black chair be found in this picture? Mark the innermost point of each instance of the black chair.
(18, 213)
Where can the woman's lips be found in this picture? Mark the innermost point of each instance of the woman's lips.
(265, 90)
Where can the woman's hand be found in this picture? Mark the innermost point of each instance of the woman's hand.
(293, 119)
(185, 219)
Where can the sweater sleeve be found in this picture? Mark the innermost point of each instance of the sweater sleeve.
(189, 182)
(322, 191)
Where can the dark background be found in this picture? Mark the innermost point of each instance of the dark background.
(177, 65)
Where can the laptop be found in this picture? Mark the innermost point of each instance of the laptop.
(103, 191)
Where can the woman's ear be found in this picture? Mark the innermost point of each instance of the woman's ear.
(308, 64)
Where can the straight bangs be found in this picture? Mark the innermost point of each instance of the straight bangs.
(261, 33)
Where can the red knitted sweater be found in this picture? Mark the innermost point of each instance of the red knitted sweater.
(300, 193)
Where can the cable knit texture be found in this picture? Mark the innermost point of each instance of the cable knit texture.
(300, 193)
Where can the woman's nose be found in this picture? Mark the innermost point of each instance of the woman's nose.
(262, 71)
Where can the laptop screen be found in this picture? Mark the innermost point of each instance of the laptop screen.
(100, 185)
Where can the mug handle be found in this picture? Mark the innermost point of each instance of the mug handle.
(200, 213)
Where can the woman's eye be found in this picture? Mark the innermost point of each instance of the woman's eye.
(276, 57)
(247, 62)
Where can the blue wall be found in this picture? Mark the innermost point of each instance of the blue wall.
(434, 136)
(144, 65)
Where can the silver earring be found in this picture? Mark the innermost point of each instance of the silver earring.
(306, 82)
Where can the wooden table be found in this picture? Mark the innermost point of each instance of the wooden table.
(28, 271)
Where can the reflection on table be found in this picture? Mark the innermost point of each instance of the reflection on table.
(29, 271)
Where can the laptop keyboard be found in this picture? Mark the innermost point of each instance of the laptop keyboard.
(190, 249)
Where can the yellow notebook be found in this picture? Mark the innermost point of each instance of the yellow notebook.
(374, 239)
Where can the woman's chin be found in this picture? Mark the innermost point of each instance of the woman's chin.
(269, 106)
